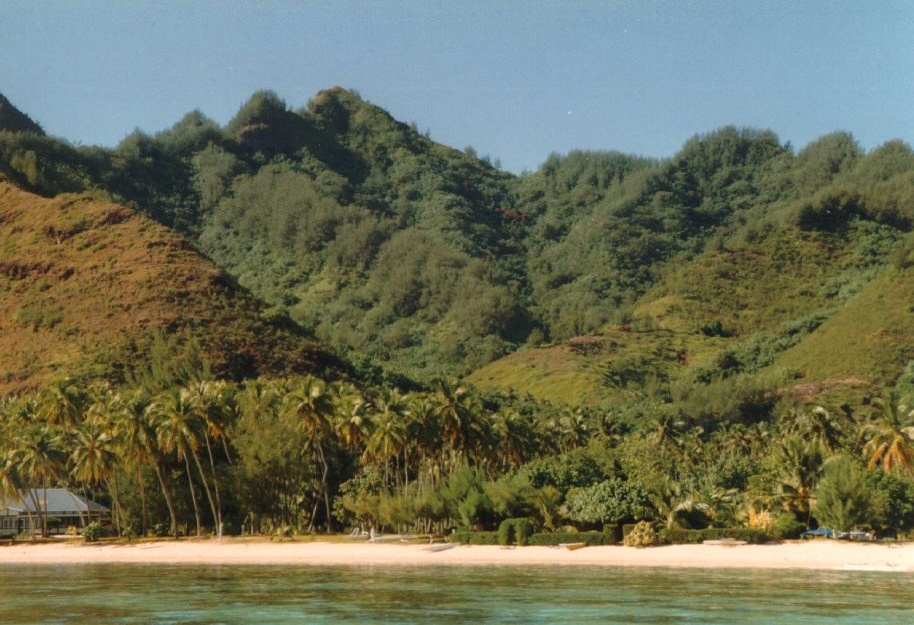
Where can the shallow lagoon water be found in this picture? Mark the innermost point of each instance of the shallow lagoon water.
(229, 595)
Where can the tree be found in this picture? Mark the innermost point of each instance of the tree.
(389, 429)
(890, 436)
(41, 459)
(843, 499)
(609, 501)
(795, 472)
(309, 402)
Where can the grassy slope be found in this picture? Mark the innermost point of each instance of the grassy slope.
(865, 345)
(82, 282)
(867, 337)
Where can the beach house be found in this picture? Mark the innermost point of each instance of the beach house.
(64, 508)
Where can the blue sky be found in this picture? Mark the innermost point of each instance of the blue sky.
(517, 80)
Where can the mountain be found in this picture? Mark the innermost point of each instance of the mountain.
(91, 288)
(800, 292)
(14, 120)
(738, 273)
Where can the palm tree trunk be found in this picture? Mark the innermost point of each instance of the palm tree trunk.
(218, 507)
(209, 495)
(142, 487)
(193, 495)
(117, 503)
(168, 500)
(325, 486)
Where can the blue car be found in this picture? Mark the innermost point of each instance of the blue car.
(819, 531)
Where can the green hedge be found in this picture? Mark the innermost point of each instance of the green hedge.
(466, 537)
(560, 538)
(612, 534)
(684, 537)
(515, 531)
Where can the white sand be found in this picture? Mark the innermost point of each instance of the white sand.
(817, 554)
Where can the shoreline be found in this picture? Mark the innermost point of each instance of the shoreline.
(807, 555)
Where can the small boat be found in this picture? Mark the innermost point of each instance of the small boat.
(877, 566)
(442, 547)
(573, 546)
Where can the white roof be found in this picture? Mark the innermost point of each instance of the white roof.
(59, 500)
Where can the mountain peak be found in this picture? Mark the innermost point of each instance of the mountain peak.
(14, 120)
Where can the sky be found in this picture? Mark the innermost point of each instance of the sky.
(515, 79)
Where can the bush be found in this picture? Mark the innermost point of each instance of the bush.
(554, 539)
(612, 534)
(684, 537)
(468, 537)
(92, 532)
(506, 532)
(785, 525)
(642, 535)
(515, 531)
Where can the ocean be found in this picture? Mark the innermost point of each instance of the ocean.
(554, 595)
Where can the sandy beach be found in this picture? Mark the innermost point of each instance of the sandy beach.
(818, 554)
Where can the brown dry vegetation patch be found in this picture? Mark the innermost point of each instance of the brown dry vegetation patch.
(78, 275)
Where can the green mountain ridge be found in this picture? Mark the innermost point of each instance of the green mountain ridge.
(737, 263)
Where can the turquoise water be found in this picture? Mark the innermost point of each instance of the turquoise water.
(154, 594)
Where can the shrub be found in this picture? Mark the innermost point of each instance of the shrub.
(642, 535)
(515, 531)
(682, 537)
(612, 534)
(506, 532)
(92, 532)
(554, 539)
(785, 525)
(468, 537)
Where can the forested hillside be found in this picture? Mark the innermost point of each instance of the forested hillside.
(416, 260)
(721, 339)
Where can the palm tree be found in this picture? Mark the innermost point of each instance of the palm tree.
(139, 446)
(818, 425)
(41, 460)
(460, 412)
(516, 436)
(890, 436)
(179, 426)
(63, 403)
(352, 420)
(92, 455)
(96, 449)
(309, 402)
(797, 465)
(573, 428)
(389, 430)
(215, 402)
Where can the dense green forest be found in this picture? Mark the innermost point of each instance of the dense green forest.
(721, 338)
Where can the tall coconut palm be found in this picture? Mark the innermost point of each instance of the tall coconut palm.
(96, 450)
(352, 416)
(388, 438)
(139, 448)
(308, 401)
(818, 425)
(93, 456)
(179, 427)
(63, 403)
(516, 437)
(890, 436)
(796, 468)
(41, 460)
(216, 405)
(460, 412)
